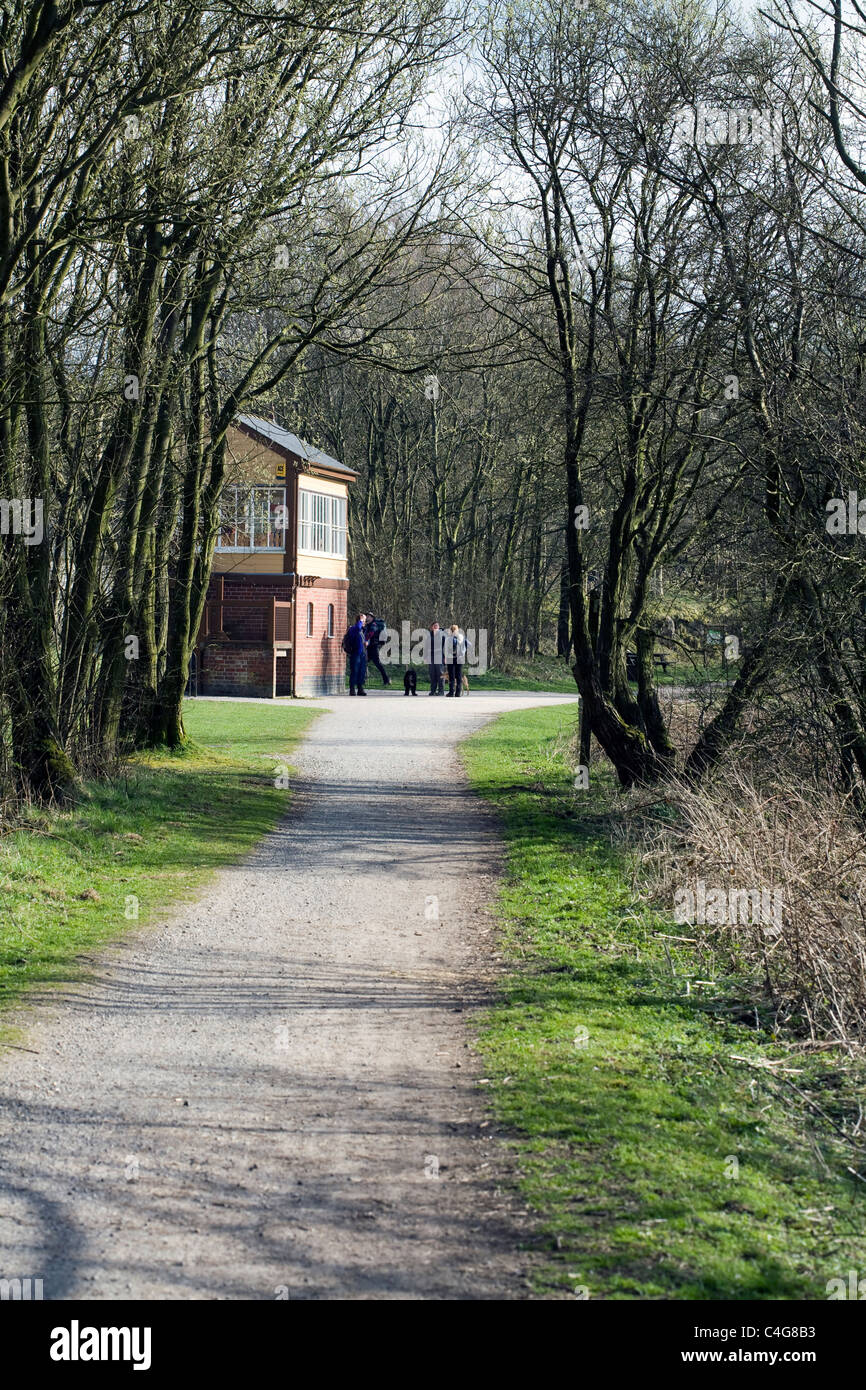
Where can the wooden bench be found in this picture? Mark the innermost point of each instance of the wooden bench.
(658, 660)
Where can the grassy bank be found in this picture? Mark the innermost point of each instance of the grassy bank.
(671, 1151)
(127, 848)
(540, 673)
(553, 673)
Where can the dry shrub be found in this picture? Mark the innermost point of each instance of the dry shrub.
(802, 842)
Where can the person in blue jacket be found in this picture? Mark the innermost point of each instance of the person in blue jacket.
(355, 647)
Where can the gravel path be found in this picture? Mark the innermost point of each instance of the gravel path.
(273, 1094)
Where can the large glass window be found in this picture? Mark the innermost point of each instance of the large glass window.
(322, 523)
(252, 518)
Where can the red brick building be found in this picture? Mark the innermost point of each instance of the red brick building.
(276, 605)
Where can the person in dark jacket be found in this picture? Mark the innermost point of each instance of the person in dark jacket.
(435, 664)
(373, 631)
(356, 649)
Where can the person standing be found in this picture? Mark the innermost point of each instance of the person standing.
(374, 631)
(435, 666)
(456, 647)
(355, 647)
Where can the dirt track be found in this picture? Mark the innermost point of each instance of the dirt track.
(274, 1094)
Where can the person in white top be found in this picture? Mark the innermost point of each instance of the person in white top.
(456, 652)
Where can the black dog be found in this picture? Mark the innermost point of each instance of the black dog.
(410, 682)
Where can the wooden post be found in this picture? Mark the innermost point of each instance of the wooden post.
(585, 735)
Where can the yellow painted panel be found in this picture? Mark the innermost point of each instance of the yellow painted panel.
(324, 485)
(248, 461)
(255, 562)
(325, 566)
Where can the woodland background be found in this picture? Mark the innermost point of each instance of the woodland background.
(650, 347)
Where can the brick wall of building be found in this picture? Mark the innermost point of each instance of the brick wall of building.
(237, 668)
(320, 662)
(243, 667)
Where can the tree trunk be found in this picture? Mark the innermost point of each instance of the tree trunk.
(563, 630)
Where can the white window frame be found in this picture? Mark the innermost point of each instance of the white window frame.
(245, 519)
(322, 523)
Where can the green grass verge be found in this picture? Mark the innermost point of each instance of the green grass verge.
(71, 879)
(536, 673)
(540, 673)
(551, 673)
(661, 1166)
(694, 675)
